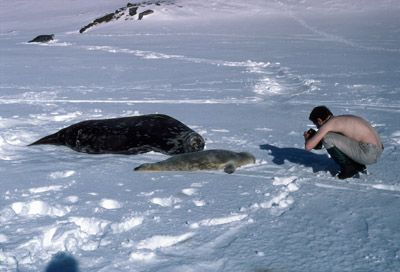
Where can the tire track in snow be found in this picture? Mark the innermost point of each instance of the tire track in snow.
(274, 79)
(332, 37)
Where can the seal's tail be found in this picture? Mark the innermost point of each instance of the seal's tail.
(51, 139)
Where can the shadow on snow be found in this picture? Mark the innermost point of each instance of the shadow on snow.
(299, 156)
(62, 262)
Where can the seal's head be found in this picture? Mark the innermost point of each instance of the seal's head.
(193, 142)
(246, 158)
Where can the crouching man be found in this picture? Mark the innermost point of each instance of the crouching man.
(350, 140)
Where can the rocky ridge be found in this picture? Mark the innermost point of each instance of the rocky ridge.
(130, 12)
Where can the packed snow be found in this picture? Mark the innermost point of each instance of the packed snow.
(243, 75)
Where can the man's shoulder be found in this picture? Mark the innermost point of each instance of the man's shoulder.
(345, 117)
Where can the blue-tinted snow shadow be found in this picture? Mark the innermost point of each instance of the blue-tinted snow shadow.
(62, 262)
(300, 156)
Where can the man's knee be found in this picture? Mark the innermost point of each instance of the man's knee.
(329, 140)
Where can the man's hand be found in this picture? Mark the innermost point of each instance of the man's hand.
(309, 134)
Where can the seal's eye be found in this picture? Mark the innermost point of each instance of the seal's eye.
(194, 144)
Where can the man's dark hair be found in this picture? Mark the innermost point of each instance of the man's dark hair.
(319, 112)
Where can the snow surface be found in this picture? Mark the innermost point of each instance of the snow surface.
(245, 76)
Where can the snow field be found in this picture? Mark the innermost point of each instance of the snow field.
(243, 75)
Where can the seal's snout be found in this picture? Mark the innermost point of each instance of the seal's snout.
(248, 157)
(196, 143)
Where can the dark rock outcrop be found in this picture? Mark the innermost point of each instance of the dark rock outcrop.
(133, 11)
(144, 13)
(129, 12)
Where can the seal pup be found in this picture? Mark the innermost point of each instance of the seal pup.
(128, 135)
(43, 38)
(216, 159)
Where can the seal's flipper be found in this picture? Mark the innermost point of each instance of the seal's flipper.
(52, 139)
(230, 168)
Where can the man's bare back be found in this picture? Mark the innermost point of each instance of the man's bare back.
(351, 126)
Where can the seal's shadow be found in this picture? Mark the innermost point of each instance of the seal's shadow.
(308, 159)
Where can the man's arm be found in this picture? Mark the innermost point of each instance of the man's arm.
(313, 140)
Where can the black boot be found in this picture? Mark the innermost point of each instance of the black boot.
(348, 167)
(348, 170)
(360, 167)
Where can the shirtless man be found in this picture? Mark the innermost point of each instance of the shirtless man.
(350, 140)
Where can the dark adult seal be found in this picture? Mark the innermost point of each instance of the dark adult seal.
(43, 38)
(128, 135)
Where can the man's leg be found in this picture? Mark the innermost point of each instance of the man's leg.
(344, 151)
(348, 167)
(356, 151)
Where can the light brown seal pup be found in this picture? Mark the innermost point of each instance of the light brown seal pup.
(202, 160)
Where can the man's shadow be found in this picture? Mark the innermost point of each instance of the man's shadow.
(62, 262)
(300, 156)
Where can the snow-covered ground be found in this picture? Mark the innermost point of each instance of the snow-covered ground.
(243, 75)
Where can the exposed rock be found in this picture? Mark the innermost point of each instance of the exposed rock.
(105, 18)
(129, 12)
(133, 11)
(144, 13)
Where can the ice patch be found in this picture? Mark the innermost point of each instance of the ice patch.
(161, 241)
(220, 130)
(268, 86)
(264, 129)
(52, 117)
(218, 221)
(396, 134)
(321, 185)
(292, 187)
(45, 189)
(3, 238)
(6, 259)
(198, 184)
(62, 174)
(52, 43)
(72, 199)
(110, 204)
(396, 137)
(387, 187)
(260, 253)
(199, 203)
(60, 237)
(90, 226)
(127, 224)
(147, 194)
(284, 180)
(189, 191)
(166, 202)
(38, 207)
(283, 200)
(142, 256)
